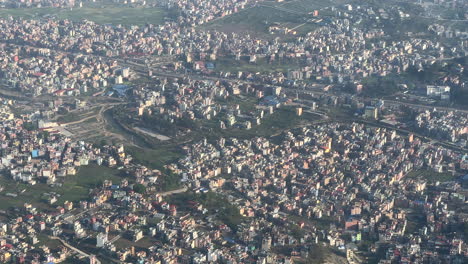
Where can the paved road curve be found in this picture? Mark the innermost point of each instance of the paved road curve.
(74, 249)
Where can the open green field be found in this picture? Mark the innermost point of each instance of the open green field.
(155, 157)
(107, 14)
(309, 5)
(282, 119)
(246, 103)
(254, 21)
(430, 175)
(75, 187)
(46, 241)
(257, 19)
(141, 244)
(227, 64)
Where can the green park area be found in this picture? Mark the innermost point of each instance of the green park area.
(283, 118)
(229, 64)
(75, 187)
(430, 175)
(256, 20)
(155, 157)
(214, 203)
(162, 152)
(104, 14)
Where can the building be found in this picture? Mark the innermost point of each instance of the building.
(441, 92)
(299, 111)
(101, 240)
(371, 112)
(137, 235)
(92, 259)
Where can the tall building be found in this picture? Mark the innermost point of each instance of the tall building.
(92, 259)
(299, 111)
(371, 112)
(266, 243)
(101, 240)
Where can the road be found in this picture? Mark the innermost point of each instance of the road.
(428, 107)
(321, 92)
(78, 251)
(117, 237)
(98, 115)
(181, 190)
(143, 69)
(156, 72)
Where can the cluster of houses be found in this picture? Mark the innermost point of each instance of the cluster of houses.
(185, 98)
(42, 156)
(36, 71)
(340, 53)
(446, 125)
(339, 185)
(176, 99)
(197, 12)
(37, 3)
(49, 59)
(342, 184)
(354, 188)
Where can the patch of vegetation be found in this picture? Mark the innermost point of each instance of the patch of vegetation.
(139, 188)
(430, 175)
(317, 254)
(73, 260)
(229, 64)
(416, 221)
(26, 194)
(164, 126)
(257, 19)
(465, 230)
(170, 181)
(69, 117)
(310, 5)
(321, 223)
(75, 187)
(45, 240)
(141, 244)
(103, 14)
(246, 103)
(253, 20)
(154, 158)
(296, 231)
(282, 119)
(215, 203)
(435, 74)
(30, 126)
(378, 86)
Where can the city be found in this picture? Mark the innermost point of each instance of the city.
(233, 131)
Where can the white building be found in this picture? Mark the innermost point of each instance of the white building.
(101, 239)
(442, 92)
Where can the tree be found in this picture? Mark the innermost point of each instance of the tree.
(139, 188)
(30, 126)
(103, 143)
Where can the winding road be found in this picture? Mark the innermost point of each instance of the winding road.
(78, 251)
